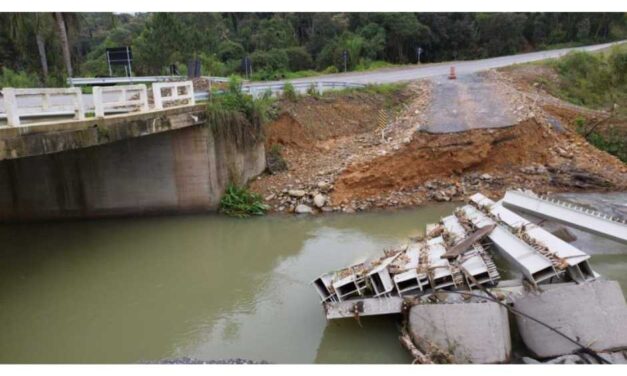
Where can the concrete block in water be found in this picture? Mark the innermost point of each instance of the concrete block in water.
(593, 313)
(471, 332)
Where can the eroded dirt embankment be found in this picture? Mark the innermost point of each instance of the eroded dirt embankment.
(339, 158)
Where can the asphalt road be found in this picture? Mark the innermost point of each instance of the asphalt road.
(408, 73)
(470, 102)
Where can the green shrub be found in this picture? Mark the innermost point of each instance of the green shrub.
(613, 143)
(312, 90)
(240, 202)
(237, 116)
(274, 159)
(271, 60)
(591, 79)
(298, 59)
(10, 78)
(330, 69)
(289, 92)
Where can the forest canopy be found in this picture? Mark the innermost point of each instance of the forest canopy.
(47, 47)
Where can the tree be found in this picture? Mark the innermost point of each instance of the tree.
(65, 43)
(23, 25)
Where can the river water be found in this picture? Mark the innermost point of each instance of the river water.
(205, 287)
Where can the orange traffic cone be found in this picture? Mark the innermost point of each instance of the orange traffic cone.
(451, 75)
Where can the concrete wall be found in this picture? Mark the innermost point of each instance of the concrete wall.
(181, 170)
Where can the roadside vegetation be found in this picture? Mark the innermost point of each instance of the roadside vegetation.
(240, 202)
(238, 116)
(10, 78)
(612, 140)
(281, 45)
(597, 81)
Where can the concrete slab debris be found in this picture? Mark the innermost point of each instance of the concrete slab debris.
(471, 332)
(446, 284)
(593, 313)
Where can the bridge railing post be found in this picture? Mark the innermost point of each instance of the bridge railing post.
(10, 106)
(98, 104)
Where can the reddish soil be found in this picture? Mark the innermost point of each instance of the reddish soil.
(337, 142)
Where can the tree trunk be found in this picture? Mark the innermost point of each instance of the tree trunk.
(65, 44)
(41, 47)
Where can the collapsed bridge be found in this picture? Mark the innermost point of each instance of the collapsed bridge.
(449, 288)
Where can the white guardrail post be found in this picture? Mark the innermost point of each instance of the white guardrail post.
(160, 99)
(14, 110)
(122, 100)
(10, 106)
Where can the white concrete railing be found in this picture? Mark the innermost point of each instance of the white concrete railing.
(49, 101)
(172, 93)
(138, 98)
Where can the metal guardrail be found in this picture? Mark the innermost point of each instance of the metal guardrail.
(79, 81)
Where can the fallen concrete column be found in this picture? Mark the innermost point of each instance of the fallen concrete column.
(470, 332)
(592, 313)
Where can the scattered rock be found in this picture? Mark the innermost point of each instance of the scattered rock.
(319, 200)
(303, 209)
(296, 193)
(323, 186)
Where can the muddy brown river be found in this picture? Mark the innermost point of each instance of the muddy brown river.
(204, 287)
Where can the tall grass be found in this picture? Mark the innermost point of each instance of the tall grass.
(237, 116)
(241, 203)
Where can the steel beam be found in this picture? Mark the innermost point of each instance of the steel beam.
(534, 266)
(568, 214)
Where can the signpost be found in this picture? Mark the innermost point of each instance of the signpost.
(248, 67)
(345, 54)
(120, 56)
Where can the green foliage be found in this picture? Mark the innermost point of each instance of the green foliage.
(240, 202)
(289, 92)
(366, 65)
(271, 60)
(9, 78)
(613, 142)
(298, 59)
(589, 79)
(330, 70)
(237, 116)
(312, 91)
(274, 159)
(280, 43)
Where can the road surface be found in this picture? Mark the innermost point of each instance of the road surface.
(399, 74)
(469, 102)
(408, 73)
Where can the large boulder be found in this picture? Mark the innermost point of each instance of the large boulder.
(470, 332)
(593, 313)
